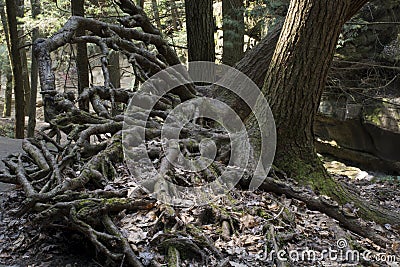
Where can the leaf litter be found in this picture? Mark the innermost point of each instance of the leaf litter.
(240, 229)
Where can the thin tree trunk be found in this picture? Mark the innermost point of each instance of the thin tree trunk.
(175, 15)
(156, 13)
(7, 69)
(23, 57)
(34, 73)
(78, 9)
(25, 75)
(17, 69)
(115, 75)
(4, 24)
(200, 30)
(233, 28)
(8, 93)
(140, 3)
(114, 70)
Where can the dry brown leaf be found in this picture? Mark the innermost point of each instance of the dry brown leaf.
(247, 221)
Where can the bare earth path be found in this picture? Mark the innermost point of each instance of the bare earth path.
(8, 146)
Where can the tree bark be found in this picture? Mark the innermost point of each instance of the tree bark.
(7, 68)
(23, 57)
(156, 13)
(113, 68)
(175, 15)
(200, 30)
(253, 65)
(233, 28)
(140, 3)
(293, 86)
(17, 69)
(78, 9)
(36, 9)
(8, 94)
(25, 75)
(5, 26)
(297, 75)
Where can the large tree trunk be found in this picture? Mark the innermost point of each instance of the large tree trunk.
(200, 30)
(255, 61)
(253, 64)
(17, 69)
(78, 9)
(293, 86)
(296, 77)
(34, 73)
(233, 28)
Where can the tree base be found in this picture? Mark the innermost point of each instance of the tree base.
(311, 173)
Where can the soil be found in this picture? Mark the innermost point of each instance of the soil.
(253, 215)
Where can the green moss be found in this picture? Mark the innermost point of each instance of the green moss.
(173, 257)
(85, 203)
(84, 212)
(213, 170)
(263, 214)
(7, 130)
(114, 201)
(383, 115)
(311, 173)
(374, 116)
(192, 143)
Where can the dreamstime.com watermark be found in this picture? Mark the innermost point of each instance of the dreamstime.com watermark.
(340, 254)
(156, 91)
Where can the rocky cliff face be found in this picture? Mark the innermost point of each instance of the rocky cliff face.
(359, 136)
(366, 133)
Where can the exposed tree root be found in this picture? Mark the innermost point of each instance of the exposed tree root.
(314, 175)
(325, 205)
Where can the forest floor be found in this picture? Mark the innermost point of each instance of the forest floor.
(7, 146)
(243, 227)
(13, 229)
